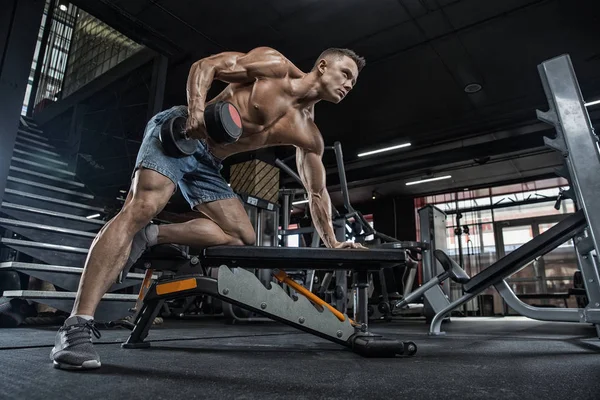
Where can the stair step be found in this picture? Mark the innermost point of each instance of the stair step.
(35, 148)
(55, 254)
(38, 158)
(29, 123)
(36, 141)
(32, 136)
(112, 306)
(52, 213)
(66, 278)
(37, 186)
(25, 224)
(45, 246)
(40, 294)
(45, 176)
(42, 166)
(25, 120)
(46, 236)
(34, 128)
(21, 266)
(66, 204)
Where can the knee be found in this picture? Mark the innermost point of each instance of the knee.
(139, 212)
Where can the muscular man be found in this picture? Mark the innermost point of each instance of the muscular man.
(276, 102)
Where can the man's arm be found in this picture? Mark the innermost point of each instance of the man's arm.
(312, 173)
(309, 160)
(230, 67)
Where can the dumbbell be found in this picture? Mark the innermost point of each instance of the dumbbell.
(223, 124)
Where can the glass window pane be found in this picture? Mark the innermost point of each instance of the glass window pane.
(532, 210)
(515, 236)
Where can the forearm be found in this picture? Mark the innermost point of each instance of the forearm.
(320, 211)
(199, 81)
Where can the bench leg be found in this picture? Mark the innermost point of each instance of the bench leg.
(143, 323)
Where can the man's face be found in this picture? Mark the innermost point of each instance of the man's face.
(339, 77)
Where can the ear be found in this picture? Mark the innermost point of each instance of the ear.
(322, 66)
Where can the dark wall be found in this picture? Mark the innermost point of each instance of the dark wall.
(393, 216)
(175, 90)
(19, 25)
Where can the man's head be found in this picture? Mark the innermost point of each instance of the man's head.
(337, 70)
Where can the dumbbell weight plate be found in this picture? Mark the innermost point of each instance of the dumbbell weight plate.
(223, 122)
(173, 139)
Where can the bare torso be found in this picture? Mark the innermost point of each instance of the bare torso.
(272, 115)
(276, 102)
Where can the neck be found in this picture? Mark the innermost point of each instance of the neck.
(309, 90)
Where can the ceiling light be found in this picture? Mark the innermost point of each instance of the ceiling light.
(63, 7)
(368, 153)
(439, 178)
(592, 103)
(473, 88)
(295, 203)
(93, 216)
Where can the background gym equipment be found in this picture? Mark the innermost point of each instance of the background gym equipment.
(223, 124)
(578, 144)
(350, 224)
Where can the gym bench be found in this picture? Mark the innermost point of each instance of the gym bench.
(242, 288)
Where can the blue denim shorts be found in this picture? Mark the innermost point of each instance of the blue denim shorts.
(198, 176)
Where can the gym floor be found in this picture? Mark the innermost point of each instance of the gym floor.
(508, 358)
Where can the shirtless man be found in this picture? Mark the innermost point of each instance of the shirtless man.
(276, 102)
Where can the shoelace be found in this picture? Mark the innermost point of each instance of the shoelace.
(75, 329)
(92, 327)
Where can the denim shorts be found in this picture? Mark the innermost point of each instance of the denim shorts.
(198, 176)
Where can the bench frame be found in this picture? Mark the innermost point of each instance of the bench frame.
(242, 288)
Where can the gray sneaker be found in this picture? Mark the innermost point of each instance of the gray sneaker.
(73, 347)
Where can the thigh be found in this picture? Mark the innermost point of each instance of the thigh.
(229, 214)
(149, 188)
(205, 184)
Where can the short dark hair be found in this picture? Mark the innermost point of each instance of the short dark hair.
(339, 53)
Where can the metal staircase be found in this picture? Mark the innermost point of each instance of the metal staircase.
(46, 231)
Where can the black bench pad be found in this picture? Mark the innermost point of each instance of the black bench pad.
(302, 258)
(167, 251)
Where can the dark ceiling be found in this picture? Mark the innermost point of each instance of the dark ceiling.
(420, 56)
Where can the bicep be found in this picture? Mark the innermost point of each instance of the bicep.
(311, 170)
(232, 67)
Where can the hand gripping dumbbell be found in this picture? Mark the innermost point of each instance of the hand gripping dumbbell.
(223, 124)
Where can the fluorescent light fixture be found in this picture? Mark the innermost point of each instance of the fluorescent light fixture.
(62, 7)
(93, 216)
(123, 191)
(439, 178)
(592, 103)
(299, 202)
(368, 153)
